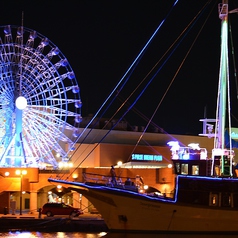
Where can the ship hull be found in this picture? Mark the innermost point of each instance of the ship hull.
(134, 212)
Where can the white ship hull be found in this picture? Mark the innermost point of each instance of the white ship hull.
(134, 212)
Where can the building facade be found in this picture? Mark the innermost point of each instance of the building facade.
(31, 190)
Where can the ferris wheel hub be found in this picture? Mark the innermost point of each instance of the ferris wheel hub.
(21, 103)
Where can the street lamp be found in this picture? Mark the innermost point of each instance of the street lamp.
(21, 173)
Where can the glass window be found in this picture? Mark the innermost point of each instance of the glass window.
(184, 168)
(195, 170)
(214, 199)
(226, 200)
(177, 168)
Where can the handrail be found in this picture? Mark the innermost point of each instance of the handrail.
(97, 178)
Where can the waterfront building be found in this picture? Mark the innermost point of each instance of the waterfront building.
(32, 189)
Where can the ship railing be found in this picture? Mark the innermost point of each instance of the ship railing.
(96, 178)
(135, 184)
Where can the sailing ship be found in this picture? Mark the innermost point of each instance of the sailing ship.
(206, 190)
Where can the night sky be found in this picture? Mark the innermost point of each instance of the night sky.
(101, 39)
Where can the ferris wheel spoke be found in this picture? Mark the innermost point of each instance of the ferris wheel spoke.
(56, 112)
(44, 142)
(44, 125)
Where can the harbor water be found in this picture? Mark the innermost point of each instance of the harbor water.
(104, 235)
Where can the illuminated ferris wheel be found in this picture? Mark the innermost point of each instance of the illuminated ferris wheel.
(40, 105)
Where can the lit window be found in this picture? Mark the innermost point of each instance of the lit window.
(213, 200)
(195, 170)
(184, 168)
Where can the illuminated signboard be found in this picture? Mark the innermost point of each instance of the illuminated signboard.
(146, 157)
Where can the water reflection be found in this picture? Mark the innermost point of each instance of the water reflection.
(104, 235)
(51, 234)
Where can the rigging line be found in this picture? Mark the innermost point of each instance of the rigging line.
(108, 131)
(127, 110)
(228, 82)
(191, 24)
(229, 111)
(102, 128)
(180, 66)
(97, 121)
(143, 116)
(228, 91)
(113, 126)
(157, 64)
(144, 89)
(135, 61)
(180, 36)
(128, 70)
(152, 123)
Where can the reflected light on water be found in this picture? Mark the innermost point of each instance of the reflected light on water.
(28, 234)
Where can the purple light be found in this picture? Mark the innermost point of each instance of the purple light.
(78, 104)
(75, 89)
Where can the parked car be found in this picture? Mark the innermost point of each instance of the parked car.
(51, 209)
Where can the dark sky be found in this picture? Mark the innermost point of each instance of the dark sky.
(101, 39)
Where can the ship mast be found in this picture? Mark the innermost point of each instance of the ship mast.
(223, 82)
(222, 157)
